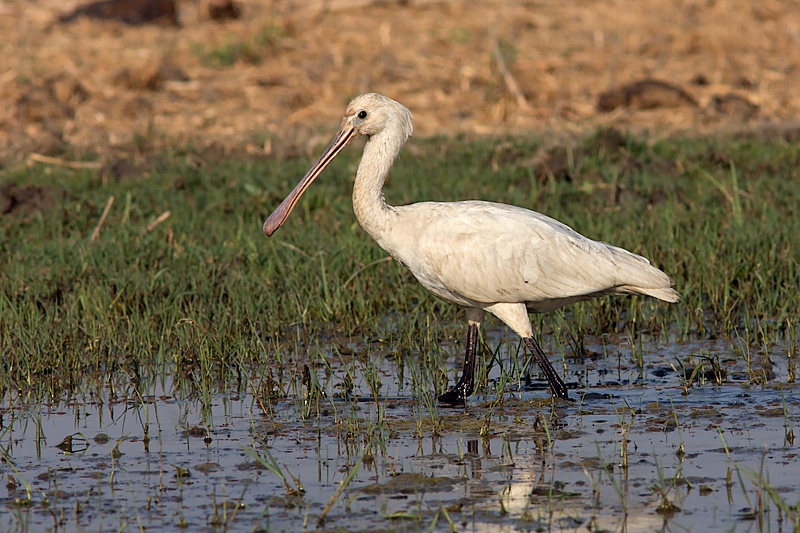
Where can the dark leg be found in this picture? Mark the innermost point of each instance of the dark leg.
(457, 396)
(556, 384)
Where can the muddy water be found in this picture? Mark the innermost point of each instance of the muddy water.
(635, 452)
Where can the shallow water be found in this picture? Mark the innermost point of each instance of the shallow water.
(715, 459)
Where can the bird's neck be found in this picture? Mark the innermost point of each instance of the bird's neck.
(370, 208)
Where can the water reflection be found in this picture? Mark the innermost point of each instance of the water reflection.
(225, 460)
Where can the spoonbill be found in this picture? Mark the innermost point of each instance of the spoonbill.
(484, 256)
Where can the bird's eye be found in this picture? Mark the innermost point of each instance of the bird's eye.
(362, 114)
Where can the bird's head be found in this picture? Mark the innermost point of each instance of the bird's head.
(371, 113)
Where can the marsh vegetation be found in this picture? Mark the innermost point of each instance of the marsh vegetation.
(165, 364)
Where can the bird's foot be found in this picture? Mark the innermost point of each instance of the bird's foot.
(456, 396)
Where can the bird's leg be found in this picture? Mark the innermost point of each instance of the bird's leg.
(557, 386)
(462, 390)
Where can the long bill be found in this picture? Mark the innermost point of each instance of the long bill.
(281, 213)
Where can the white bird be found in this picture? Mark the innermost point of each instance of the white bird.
(483, 256)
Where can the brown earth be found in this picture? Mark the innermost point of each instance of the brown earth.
(279, 76)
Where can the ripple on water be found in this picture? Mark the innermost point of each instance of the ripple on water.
(636, 450)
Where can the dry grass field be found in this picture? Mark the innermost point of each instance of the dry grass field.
(281, 74)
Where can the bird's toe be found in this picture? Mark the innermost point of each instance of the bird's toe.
(453, 398)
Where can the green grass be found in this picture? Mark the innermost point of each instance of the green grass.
(205, 296)
(237, 49)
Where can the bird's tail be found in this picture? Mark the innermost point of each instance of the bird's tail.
(665, 293)
(637, 271)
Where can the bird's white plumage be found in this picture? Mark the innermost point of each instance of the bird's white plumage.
(480, 253)
(476, 253)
